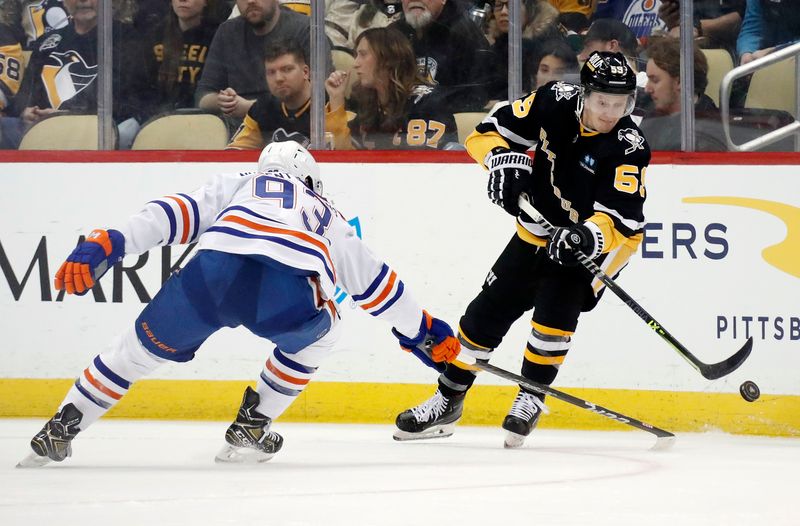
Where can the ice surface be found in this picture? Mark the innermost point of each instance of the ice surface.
(163, 473)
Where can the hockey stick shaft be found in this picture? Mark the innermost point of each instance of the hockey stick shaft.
(709, 371)
(664, 438)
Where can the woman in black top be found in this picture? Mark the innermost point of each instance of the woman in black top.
(177, 53)
(394, 108)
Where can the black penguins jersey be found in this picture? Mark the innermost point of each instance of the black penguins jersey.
(269, 120)
(63, 70)
(34, 18)
(427, 123)
(578, 174)
(11, 67)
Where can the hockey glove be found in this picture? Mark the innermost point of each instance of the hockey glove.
(434, 344)
(563, 245)
(89, 261)
(508, 175)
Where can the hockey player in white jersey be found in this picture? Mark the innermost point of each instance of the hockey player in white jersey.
(270, 253)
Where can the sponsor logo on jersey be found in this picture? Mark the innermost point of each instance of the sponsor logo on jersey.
(588, 163)
(565, 90)
(633, 138)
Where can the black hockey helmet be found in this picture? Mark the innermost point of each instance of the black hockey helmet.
(608, 72)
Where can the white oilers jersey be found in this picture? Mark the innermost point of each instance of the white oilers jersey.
(273, 214)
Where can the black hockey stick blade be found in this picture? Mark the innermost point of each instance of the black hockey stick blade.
(664, 439)
(726, 367)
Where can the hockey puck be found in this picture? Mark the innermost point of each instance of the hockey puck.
(749, 391)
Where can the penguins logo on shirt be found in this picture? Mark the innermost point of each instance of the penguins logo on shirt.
(67, 77)
(565, 90)
(633, 138)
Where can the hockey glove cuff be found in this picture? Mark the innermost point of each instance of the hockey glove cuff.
(508, 175)
(434, 344)
(90, 260)
(563, 245)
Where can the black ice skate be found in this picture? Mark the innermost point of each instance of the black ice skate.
(52, 443)
(522, 418)
(249, 438)
(434, 418)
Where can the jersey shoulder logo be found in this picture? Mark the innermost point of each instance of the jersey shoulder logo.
(633, 138)
(50, 42)
(565, 90)
(419, 91)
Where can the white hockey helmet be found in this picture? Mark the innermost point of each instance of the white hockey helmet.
(294, 159)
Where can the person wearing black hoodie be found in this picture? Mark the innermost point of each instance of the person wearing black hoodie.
(450, 49)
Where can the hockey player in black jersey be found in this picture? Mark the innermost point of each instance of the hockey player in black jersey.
(586, 178)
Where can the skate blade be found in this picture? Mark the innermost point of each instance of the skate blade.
(442, 431)
(513, 440)
(241, 455)
(33, 461)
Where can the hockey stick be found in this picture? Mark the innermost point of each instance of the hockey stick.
(664, 439)
(710, 371)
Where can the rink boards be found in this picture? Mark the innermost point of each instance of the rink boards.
(719, 263)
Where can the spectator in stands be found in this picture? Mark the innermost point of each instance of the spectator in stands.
(339, 19)
(63, 69)
(373, 13)
(574, 14)
(641, 16)
(300, 6)
(767, 26)
(234, 72)
(607, 34)
(450, 50)
(283, 114)
(151, 14)
(663, 127)
(716, 22)
(11, 66)
(177, 53)
(538, 27)
(22, 22)
(395, 107)
(557, 63)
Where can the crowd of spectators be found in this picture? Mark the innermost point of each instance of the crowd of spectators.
(416, 64)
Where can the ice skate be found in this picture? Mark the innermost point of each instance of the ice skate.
(52, 443)
(522, 418)
(434, 418)
(249, 439)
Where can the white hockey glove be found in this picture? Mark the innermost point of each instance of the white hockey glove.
(565, 241)
(508, 176)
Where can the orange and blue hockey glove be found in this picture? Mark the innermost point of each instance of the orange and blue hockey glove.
(434, 344)
(90, 260)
